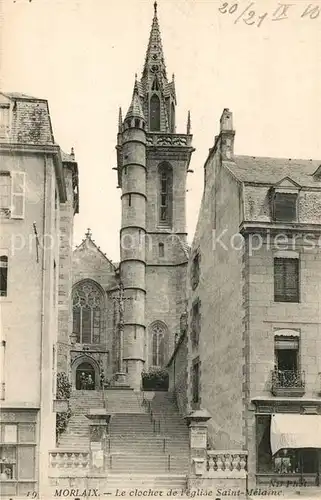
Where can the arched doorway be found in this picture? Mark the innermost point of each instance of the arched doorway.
(85, 377)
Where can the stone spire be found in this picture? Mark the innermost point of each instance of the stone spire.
(135, 109)
(154, 61)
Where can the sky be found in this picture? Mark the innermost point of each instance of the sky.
(82, 55)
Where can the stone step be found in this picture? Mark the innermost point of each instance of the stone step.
(162, 483)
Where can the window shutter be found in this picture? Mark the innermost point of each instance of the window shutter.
(286, 280)
(18, 195)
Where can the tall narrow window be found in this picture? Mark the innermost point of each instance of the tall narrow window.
(158, 345)
(286, 280)
(3, 275)
(18, 195)
(161, 251)
(196, 323)
(129, 200)
(154, 113)
(196, 381)
(87, 313)
(5, 193)
(165, 195)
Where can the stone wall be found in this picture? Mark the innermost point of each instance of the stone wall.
(220, 347)
(177, 370)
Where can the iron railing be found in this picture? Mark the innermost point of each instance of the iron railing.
(288, 379)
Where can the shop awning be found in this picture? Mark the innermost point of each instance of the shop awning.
(295, 431)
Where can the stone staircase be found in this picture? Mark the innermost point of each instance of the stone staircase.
(76, 435)
(123, 401)
(149, 448)
(148, 445)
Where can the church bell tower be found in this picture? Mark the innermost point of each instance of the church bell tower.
(152, 164)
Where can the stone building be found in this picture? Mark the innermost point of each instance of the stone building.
(33, 196)
(254, 336)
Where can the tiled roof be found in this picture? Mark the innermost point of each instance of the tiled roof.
(273, 170)
(135, 108)
(19, 95)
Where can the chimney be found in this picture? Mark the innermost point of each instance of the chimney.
(227, 135)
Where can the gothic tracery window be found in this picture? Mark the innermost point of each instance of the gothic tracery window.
(87, 313)
(158, 345)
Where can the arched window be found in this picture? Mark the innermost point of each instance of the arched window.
(158, 344)
(165, 194)
(173, 117)
(87, 312)
(154, 113)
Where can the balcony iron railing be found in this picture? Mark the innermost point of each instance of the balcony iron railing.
(292, 381)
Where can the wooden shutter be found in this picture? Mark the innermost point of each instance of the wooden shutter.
(286, 280)
(18, 195)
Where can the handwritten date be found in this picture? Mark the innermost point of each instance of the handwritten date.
(250, 16)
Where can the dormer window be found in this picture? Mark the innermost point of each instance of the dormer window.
(285, 207)
(285, 201)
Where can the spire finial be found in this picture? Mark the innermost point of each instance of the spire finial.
(72, 153)
(120, 121)
(188, 128)
(155, 8)
(89, 233)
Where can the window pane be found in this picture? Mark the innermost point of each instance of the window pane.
(18, 182)
(286, 280)
(86, 325)
(161, 350)
(8, 461)
(5, 181)
(10, 433)
(27, 433)
(154, 349)
(76, 322)
(17, 205)
(26, 462)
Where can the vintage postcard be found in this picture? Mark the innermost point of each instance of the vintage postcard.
(160, 252)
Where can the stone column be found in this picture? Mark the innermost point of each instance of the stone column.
(197, 422)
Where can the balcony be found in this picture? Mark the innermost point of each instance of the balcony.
(287, 383)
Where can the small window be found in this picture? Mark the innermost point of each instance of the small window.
(5, 193)
(161, 250)
(3, 275)
(195, 277)
(196, 323)
(196, 382)
(285, 207)
(286, 280)
(129, 200)
(12, 194)
(137, 123)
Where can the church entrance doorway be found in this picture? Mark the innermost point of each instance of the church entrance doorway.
(85, 377)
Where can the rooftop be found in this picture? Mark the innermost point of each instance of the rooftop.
(265, 170)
